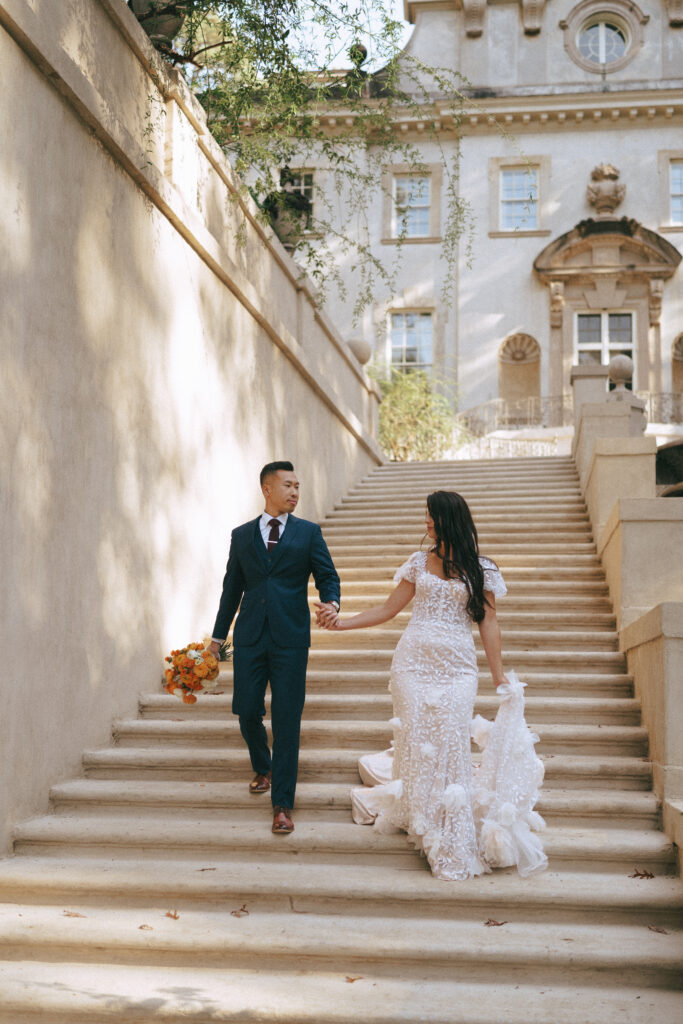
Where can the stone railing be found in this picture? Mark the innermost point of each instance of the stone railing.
(662, 408)
(502, 414)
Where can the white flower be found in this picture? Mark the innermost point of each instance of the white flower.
(454, 797)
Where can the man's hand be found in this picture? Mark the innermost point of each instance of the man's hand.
(326, 614)
(215, 649)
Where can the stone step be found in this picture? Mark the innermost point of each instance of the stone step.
(469, 488)
(378, 707)
(507, 560)
(554, 738)
(577, 896)
(522, 661)
(380, 534)
(331, 842)
(524, 591)
(498, 522)
(76, 993)
(214, 937)
(567, 619)
(562, 771)
(325, 801)
(542, 544)
(561, 683)
(516, 569)
(413, 516)
(383, 638)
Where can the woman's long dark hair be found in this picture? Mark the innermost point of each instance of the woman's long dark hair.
(458, 544)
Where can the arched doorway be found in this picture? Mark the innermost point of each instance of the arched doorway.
(519, 368)
(677, 365)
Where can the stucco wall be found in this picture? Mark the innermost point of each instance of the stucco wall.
(151, 362)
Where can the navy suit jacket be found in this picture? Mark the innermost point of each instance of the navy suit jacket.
(273, 585)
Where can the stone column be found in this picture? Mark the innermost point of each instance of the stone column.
(589, 384)
(556, 353)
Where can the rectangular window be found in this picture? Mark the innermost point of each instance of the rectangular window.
(412, 197)
(299, 181)
(519, 199)
(599, 336)
(676, 191)
(411, 341)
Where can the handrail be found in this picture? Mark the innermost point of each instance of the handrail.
(503, 414)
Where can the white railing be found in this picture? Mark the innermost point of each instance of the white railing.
(501, 414)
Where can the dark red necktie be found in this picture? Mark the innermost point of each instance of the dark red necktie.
(274, 536)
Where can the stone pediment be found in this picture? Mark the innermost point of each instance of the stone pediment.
(602, 246)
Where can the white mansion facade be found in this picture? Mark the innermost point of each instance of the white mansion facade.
(577, 205)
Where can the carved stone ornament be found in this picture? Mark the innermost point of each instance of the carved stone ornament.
(475, 11)
(556, 303)
(520, 348)
(655, 304)
(675, 12)
(604, 193)
(677, 349)
(532, 16)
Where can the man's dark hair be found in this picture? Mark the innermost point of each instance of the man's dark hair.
(273, 467)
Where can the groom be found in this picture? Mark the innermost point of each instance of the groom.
(270, 561)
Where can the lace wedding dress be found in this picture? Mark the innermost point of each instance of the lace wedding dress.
(466, 818)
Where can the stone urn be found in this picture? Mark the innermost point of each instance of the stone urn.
(604, 194)
(162, 20)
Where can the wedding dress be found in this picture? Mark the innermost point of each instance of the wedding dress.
(465, 818)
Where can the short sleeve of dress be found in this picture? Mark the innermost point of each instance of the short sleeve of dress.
(409, 570)
(493, 579)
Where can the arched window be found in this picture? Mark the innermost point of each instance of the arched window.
(519, 368)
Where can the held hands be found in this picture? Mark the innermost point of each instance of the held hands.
(327, 616)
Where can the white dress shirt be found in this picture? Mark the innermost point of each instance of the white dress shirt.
(265, 527)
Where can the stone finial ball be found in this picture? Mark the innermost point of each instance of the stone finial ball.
(361, 349)
(620, 369)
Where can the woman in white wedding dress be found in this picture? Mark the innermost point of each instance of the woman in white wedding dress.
(466, 819)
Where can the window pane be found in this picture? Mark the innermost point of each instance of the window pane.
(619, 329)
(411, 340)
(602, 43)
(589, 329)
(589, 357)
(519, 195)
(411, 206)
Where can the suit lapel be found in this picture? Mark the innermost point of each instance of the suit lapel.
(259, 546)
(285, 540)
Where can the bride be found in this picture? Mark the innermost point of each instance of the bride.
(466, 819)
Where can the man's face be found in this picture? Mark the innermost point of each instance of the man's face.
(281, 491)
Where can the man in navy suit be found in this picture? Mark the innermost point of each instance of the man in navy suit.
(271, 559)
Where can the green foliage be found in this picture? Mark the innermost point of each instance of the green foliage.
(416, 421)
(250, 62)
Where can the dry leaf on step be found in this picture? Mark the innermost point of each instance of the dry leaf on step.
(655, 928)
(145, 928)
(173, 914)
(241, 912)
(71, 913)
(351, 980)
(206, 869)
(641, 874)
(494, 924)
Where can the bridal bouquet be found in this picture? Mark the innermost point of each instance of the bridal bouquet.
(192, 670)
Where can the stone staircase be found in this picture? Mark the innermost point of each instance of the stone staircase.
(335, 924)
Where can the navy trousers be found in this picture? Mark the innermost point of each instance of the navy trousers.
(285, 669)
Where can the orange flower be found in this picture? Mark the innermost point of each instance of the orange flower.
(189, 698)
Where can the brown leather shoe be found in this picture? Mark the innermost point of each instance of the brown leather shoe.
(260, 784)
(282, 823)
